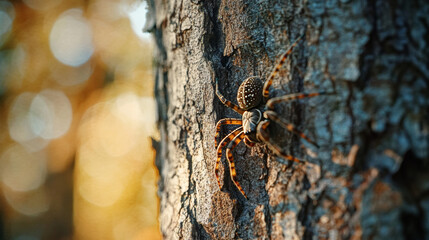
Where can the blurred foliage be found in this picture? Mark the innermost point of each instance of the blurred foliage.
(76, 113)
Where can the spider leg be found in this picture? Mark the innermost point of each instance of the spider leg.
(222, 144)
(237, 139)
(288, 126)
(226, 102)
(269, 81)
(264, 136)
(249, 142)
(271, 102)
(225, 121)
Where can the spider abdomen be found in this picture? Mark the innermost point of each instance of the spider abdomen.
(249, 94)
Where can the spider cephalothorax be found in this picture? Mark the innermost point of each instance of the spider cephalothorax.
(251, 97)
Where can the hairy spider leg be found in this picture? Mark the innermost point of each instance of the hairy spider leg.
(264, 136)
(288, 126)
(226, 102)
(222, 144)
(225, 121)
(265, 91)
(248, 142)
(271, 102)
(237, 139)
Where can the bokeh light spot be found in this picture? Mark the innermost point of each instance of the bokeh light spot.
(98, 165)
(127, 107)
(101, 193)
(31, 203)
(22, 171)
(118, 128)
(132, 108)
(50, 114)
(71, 38)
(19, 124)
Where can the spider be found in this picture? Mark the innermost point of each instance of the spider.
(256, 109)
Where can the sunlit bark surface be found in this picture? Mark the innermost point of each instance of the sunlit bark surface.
(369, 178)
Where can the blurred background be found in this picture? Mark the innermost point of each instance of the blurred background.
(76, 117)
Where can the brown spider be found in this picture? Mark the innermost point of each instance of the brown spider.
(256, 118)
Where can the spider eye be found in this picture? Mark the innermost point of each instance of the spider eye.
(250, 93)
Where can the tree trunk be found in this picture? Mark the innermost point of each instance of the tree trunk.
(369, 177)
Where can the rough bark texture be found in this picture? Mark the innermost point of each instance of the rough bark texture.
(369, 178)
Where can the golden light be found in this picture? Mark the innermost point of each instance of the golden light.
(113, 155)
(77, 114)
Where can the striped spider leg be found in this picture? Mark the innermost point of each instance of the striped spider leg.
(264, 136)
(267, 85)
(257, 113)
(222, 122)
(230, 137)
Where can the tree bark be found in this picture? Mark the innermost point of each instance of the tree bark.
(369, 178)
